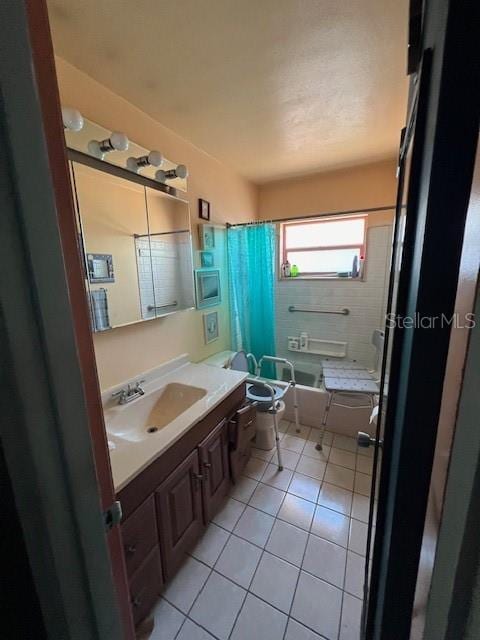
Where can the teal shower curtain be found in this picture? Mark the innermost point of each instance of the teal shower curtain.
(251, 272)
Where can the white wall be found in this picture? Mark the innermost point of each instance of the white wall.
(366, 300)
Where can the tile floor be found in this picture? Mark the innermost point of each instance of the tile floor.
(284, 558)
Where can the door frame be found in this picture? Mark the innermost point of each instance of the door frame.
(441, 187)
(51, 410)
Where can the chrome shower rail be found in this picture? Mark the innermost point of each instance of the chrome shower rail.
(342, 312)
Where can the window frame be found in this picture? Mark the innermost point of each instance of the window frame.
(321, 275)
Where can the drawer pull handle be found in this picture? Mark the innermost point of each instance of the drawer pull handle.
(131, 549)
(197, 478)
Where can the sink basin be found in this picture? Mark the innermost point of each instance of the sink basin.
(174, 400)
(151, 413)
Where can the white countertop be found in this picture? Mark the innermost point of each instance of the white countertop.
(131, 448)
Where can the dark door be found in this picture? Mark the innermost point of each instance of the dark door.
(214, 465)
(438, 156)
(179, 512)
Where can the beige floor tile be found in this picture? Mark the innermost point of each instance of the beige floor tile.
(360, 507)
(331, 525)
(342, 458)
(297, 511)
(305, 487)
(335, 498)
(182, 590)
(258, 619)
(254, 526)
(344, 442)
(211, 544)
(275, 581)
(339, 476)
(266, 498)
(304, 431)
(243, 489)
(289, 459)
(312, 452)
(296, 631)
(364, 464)
(351, 618)
(363, 483)
(238, 561)
(218, 605)
(358, 537)
(325, 560)
(317, 605)
(287, 542)
(167, 621)
(228, 515)
(293, 443)
(311, 467)
(255, 468)
(355, 574)
(276, 478)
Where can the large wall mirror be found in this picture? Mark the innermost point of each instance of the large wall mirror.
(137, 246)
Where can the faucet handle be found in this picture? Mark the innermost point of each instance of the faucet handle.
(118, 393)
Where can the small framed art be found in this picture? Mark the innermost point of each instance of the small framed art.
(206, 234)
(207, 286)
(210, 326)
(203, 209)
(207, 259)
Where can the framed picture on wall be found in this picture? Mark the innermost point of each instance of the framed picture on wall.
(210, 326)
(207, 287)
(206, 234)
(207, 259)
(203, 209)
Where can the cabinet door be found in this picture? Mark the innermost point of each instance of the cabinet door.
(179, 512)
(214, 469)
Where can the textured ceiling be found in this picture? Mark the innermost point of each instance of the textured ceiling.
(273, 88)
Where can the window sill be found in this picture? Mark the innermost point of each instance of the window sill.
(335, 278)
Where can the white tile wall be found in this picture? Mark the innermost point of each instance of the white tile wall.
(366, 300)
(164, 265)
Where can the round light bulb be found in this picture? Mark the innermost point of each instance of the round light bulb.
(160, 175)
(132, 164)
(72, 119)
(155, 158)
(181, 171)
(119, 141)
(95, 150)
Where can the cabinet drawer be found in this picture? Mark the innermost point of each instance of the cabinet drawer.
(139, 534)
(146, 585)
(242, 426)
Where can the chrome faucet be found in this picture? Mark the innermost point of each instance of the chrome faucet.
(132, 392)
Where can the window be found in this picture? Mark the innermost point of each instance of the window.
(324, 247)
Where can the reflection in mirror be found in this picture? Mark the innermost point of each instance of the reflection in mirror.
(138, 249)
(112, 213)
(171, 256)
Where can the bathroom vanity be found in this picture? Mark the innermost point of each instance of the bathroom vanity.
(172, 480)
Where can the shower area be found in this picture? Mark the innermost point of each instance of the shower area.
(313, 291)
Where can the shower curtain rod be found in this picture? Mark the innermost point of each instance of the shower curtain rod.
(309, 217)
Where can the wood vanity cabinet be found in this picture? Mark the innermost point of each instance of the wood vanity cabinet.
(213, 452)
(167, 506)
(179, 512)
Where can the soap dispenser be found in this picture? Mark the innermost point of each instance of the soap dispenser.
(303, 341)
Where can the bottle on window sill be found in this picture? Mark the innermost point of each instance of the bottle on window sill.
(294, 271)
(286, 269)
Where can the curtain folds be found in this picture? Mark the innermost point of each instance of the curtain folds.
(251, 273)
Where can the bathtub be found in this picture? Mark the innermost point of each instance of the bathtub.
(312, 399)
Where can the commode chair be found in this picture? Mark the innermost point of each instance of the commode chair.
(267, 398)
(350, 379)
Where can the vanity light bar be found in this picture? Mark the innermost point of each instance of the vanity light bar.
(154, 159)
(117, 141)
(180, 171)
